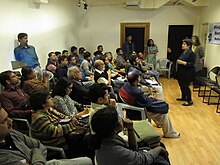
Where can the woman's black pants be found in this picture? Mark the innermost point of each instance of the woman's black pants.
(185, 90)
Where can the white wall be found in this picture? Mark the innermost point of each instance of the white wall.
(211, 14)
(50, 27)
(101, 24)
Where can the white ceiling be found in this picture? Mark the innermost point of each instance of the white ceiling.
(190, 3)
(117, 2)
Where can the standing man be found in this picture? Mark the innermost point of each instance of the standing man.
(25, 52)
(128, 47)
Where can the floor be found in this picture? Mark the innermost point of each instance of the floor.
(199, 126)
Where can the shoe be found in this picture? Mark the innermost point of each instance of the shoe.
(180, 99)
(172, 135)
(188, 103)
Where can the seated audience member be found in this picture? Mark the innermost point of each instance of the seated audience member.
(30, 83)
(17, 148)
(135, 96)
(120, 61)
(80, 92)
(100, 98)
(52, 62)
(112, 149)
(145, 68)
(14, 100)
(100, 50)
(97, 56)
(81, 51)
(47, 125)
(109, 60)
(86, 66)
(58, 54)
(63, 103)
(73, 50)
(65, 53)
(134, 61)
(101, 74)
(72, 60)
(61, 70)
(114, 72)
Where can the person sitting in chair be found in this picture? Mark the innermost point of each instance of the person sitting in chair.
(14, 100)
(17, 148)
(132, 95)
(112, 149)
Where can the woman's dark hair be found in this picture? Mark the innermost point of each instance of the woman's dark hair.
(96, 91)
(197, 40)
(103, 123)
(148, 42)
(61, 86)
(132, 76)
(37, 99)
(188, 42)
(111, 55)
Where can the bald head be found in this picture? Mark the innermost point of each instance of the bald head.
(99, 64)
(133, 76)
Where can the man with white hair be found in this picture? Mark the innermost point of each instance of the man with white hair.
(80, 92)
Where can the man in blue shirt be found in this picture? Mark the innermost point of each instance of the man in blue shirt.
(25, 52)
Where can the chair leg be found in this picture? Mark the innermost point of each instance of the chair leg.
(210, 92)
(218, 104)
(203, 99)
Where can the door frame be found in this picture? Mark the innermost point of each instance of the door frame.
(145, 25)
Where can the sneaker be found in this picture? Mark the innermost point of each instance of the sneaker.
(173, 135)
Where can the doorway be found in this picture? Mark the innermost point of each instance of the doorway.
(175, 36)
(139, 32)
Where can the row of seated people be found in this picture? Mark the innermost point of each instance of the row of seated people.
(46, 113)
(105, 70)
(59, 64)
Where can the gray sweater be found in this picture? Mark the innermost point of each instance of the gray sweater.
(28, 149)
(116, 152)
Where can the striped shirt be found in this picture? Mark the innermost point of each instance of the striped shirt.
(45, 126)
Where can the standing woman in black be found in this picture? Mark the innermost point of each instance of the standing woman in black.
(185, 71)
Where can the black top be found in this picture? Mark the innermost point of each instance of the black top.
(80, 93)
(186, 72)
